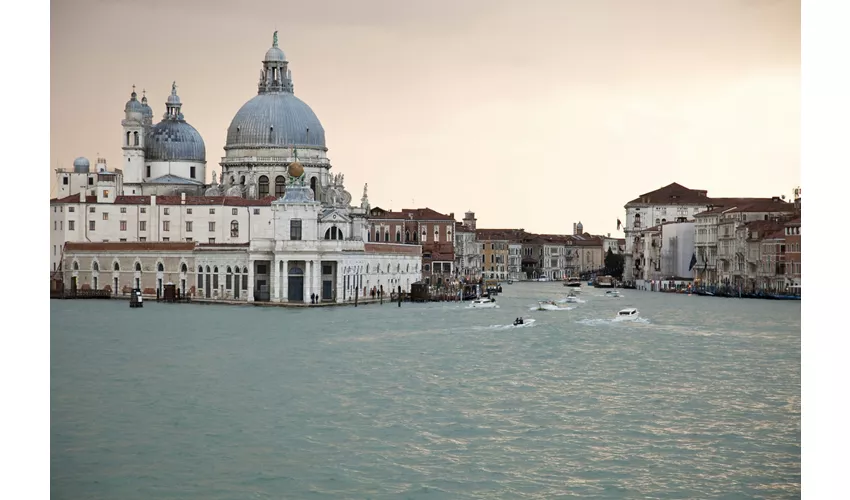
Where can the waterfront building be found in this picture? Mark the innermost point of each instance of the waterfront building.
(299, 241)
(432, 230)
(468, 253)
(494, 245)
(793, 253)
(515, 261)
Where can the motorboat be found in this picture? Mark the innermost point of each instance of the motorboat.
(522, 322)
(573, 282)
(483, 303)
(551, 306)
(543, 278)
(510, 282)
(571, 298)
(629, 313)
(613, 293)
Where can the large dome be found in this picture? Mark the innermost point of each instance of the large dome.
(276, 119)
(174, 140)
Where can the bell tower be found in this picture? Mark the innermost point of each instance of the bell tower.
(133, 140)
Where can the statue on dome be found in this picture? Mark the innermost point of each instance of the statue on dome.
(214, 180)
(274, 39)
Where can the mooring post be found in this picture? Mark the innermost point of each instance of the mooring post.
(356, 294)
(381, 294)
(399, 295)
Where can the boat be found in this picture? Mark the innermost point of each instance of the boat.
(483, 303)
(604, 282)
(543, 278)
(613, 293)
(627, 313)
(590, 283)
(525, 323)
(571, 298)
(573, 281)
(510, 282)
(551, 306)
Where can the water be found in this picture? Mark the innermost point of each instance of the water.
(701, 399)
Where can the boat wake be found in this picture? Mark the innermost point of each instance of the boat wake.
(527, 323)
(548, 306)
(611, 321)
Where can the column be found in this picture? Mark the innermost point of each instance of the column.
(250, 280)
(275, 273)
(340, 281)
(317, 278)
(284, 297)
(308, 276)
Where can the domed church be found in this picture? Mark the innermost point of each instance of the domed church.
(277, 227)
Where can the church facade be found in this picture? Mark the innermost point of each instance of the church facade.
(277, 227)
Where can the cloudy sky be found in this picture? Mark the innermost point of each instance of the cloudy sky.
(535, 114)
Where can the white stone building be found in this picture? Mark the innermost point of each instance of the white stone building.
(468, 253)
(238, 240)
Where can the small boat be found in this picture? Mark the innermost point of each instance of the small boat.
(613, 293)
(543, 278)
(551, 306)
(627, 313)
(571, 298)
(483, 303)
(522, 323)
(573, 282)
(510, 282)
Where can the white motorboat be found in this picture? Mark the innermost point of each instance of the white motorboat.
(571, 299)
(543, 278)
(573, 281)
(551, 306)
(525, 322)
(629, 313)
(483, 303)
(613, 293)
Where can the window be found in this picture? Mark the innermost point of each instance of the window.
(212, 211)
(295, 229)
(263, 186)
(279, 186)
(211, 240)
(166, 211)
(142, 238)
(65, 180)
(54, 225)
(105, 215)
(91, 181)
(191, 172)
(91, 210)
(123, 210)
(188, 240)
(71, 209)
(91, 225)
(326, 269)
(234, 211)
(143, 225)
(234, 229)
(148, 171)
(188, 226)
(122, 239)
(166, 225)
(256, 211)
(143, 210)
(70, 225)
(189, 211)
(261, 269)
(166, 238)
(106, 193)
(212, 226)
(123, 225)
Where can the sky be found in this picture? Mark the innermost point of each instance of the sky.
(534, 115)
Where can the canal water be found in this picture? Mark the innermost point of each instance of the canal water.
(700, 398)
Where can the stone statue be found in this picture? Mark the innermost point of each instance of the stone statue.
(252, 187)
(364, 201)
(274, 39)
(214, 178)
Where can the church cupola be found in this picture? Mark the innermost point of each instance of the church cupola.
(173, 105)
(275, 77)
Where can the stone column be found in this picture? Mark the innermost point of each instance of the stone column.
(308, 276)
(284, 297)
(340, 281)
(250, 280)
(275, 273)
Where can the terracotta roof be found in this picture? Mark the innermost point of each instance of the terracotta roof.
(794, 222)
(761, 228)
(129, 246)
(220, 245)
(673, 194)
(235, 201)
(419, 214)
(74, 198)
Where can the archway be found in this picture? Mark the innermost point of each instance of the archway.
(296, 285)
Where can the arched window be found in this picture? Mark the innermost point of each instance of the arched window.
(408, 268)
(279, 186)
(200, 269)
(387, 236)
(228, 279)
(76, 266)
(128, 138)
(208, 269)
(244, 278)
(215, 278)
(232, 180)
(398, 236)
(116, 267)
(313, 186)
(242, 180)
(183, 268)
(135, 138)
(138, 267)
(407, 236)
(264, 186)
(234, 228)
(159, 267)
(94, 266)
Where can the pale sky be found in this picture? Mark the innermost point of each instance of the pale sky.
(533, 114)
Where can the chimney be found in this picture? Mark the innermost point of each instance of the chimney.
(153, 200)
(83, 196)
(452, 215)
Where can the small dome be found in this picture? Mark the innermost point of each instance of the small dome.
(173, 140)
(81, 165)
(133, 105)
(146, 110)
(274, 54)
(296, 169)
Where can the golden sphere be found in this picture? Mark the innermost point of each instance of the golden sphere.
(295, 169)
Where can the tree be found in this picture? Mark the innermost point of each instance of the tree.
(614, 264)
